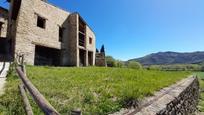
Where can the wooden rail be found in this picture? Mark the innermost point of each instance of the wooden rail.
(28, 108)
(45, 106)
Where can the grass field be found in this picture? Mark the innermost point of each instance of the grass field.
(93, 90)
(201, 102)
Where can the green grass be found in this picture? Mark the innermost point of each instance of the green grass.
(93, 90)
(201, 102)
(11, 103)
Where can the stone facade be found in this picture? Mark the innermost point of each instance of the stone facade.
(36, 23)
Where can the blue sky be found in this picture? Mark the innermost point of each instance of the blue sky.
(134, 28)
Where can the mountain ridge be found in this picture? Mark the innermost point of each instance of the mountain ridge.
(170, 57)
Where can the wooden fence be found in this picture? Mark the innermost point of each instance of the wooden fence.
(27, 85)
(39, 99)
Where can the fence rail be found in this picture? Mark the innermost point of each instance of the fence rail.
(27, 85)
(28, 108)
(44, 105)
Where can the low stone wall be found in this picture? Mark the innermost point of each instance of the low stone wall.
(178, 99)
(185, 103)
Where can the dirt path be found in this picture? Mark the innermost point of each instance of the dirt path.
(4, 67)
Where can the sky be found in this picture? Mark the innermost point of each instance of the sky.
(135, 28)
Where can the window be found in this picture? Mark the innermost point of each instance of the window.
(90, 40)
(61, 32)
(41, 22)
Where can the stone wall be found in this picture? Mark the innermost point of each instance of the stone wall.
(185, 103)
(26, 34)
(178, 99)
(70, 52)
(100, 59)
(90, 47)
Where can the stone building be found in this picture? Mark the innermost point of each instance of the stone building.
(48, 35)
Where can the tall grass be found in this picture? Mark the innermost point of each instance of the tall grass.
(93, 90)
(201, 102)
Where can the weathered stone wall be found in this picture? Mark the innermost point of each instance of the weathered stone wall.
(70, 44)
(181, 100)
(185, 103)
(100, 59)
(91, 47)
(178, 99)
(27, 34)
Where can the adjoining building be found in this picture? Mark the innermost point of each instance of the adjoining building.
(48, 35)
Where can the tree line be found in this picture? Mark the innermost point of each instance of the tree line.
(111, 62)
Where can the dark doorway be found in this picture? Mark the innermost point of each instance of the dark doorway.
(47, 56)
(82, 57)
(3, 46)
(5, 49)
(90, 55)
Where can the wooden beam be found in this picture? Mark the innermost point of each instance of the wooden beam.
(45, 106)
(28, 108)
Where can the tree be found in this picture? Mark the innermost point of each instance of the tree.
(134, 65)
(97, 50)
(202, 68)
(102, 49)
(110, 61)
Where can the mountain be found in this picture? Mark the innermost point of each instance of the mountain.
(162, 58)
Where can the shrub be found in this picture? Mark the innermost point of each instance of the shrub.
(134, 65)
(110, 61)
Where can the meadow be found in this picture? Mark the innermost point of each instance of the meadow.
(201, 81)
(93, 90)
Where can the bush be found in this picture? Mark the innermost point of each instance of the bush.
(120, 64)
(110, 61)
(134, 65)
(202, 68)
